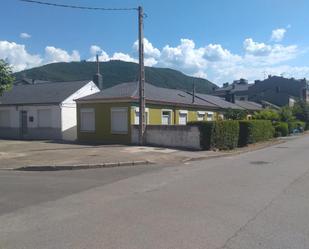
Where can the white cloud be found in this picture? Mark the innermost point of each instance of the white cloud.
(94, 49)
(211, 61)
(277, 35)
(17, 55)
(53, 54)
(215, 52)
(123, 57)
(24, 36)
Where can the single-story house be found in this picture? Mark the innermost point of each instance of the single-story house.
(109, 115)
(43, 110)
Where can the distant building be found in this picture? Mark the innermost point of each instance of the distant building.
(279, 91)
(238, 90)
(274, 90)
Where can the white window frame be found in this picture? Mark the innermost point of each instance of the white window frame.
(119, 109)
(136, 110)
(183, 112)
(198, 114)
(171, 116)
(87, 110)
(212, 116)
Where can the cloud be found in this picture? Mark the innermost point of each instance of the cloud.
(277, 35)
(17, 55)
(255, 48)
(211, 61)
(53, 54)
(94, 50)
(103, 56)
(24, 36)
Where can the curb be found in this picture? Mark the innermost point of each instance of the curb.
(233, 153)
(79, 166)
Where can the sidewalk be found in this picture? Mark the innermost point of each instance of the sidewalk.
(19, 154)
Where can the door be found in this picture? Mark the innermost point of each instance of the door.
(23, 123)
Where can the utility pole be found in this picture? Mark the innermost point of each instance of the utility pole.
(142, 125)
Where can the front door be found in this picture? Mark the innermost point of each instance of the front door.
(23, 123)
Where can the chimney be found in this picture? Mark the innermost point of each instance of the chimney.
(193, 93)
(97, 78)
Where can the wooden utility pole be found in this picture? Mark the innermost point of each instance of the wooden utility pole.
(142, 125)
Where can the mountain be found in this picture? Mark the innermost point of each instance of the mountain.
(115, 72)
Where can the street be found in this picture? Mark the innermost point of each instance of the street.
(258, 199)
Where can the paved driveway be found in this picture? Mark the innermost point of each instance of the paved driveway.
(254, 200)
(14, 154)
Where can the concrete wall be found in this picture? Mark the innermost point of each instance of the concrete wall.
(180, 136)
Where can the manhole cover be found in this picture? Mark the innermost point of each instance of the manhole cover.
(259, 162)
(282, 147)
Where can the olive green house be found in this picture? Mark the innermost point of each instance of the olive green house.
(108, 116)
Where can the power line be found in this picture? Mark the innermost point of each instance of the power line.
(78, 7)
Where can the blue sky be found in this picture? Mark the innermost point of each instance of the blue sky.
(221, 40)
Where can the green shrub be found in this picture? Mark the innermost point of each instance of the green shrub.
(281, 129)
(295, 125)
(267, 114)
(252, 131)
(221, 135)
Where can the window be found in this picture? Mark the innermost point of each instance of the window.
(5, 118)
(183, 117)
(210, 116)
(201, 116)
(44, 118)
(119, 120)
(166, 117)
(136, 115)
(87, 120)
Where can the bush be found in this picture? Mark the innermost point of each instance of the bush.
(281, 129)
(221, 135)
(267, 114)
(234, 114)
(253, 131)
(296, 125)
(286, 114)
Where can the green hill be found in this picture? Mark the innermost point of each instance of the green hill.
(115, 72)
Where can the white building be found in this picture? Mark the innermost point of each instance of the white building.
(42, 111)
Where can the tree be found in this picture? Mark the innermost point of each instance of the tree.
(301, 111)
(286, 114)
(6, 77)
(235, 114)
(267, 114)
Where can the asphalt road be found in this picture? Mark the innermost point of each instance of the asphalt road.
(254, 200)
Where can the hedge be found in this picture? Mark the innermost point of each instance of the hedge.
(296, 124)
(221, 135)
(252, 131)
(281, 129)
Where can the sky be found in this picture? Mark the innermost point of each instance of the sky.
(221, 40)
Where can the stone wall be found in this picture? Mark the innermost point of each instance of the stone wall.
(178, 136)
